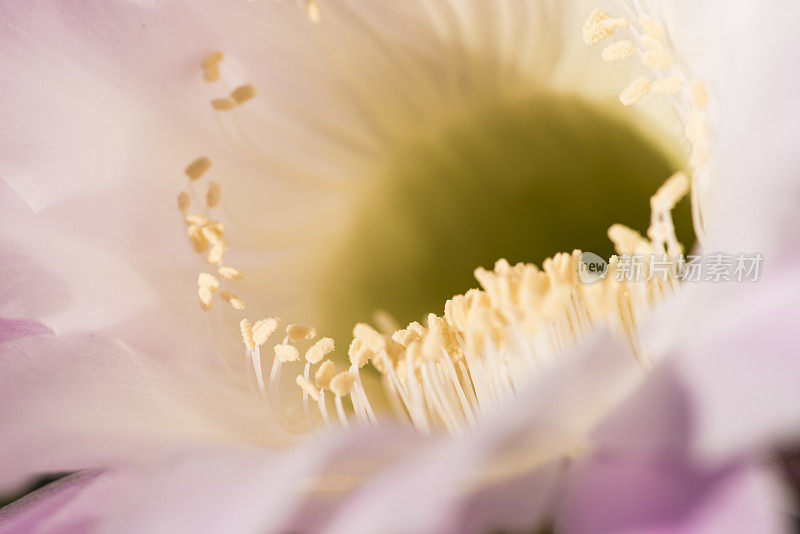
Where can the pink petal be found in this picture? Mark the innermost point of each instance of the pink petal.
(87, 401)
(75, 503)
(609, 493)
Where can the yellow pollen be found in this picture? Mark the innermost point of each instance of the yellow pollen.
(287, 353)
(235, 302)
(264, 328)
(618, 51)
(319, 350)
(651, 26)
(324, 374)
(216, 253)
(196, 220)
(247, 334)
(309, 388)
(297, 332)
(197, 239)
(243, 93)
(223, 104)
(696, 127)
(634, 92)
(197, 168)
(212, 60)
(599, 27)
(205, 295)
(667, 86)
(359, 354)
(627, 240)
(208, 280)
(211, 66)
(184, 201)
(342, 384)
(230, 273)
(213, 195)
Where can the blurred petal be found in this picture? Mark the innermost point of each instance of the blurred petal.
(11, 329)
(616, 493)
(85, 401)
(75, 503)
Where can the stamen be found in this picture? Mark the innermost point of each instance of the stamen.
(319, 350)
(208, 280)
(197, 239)
(264, 328)
(230, 273)
(634, 92)
(223, 104)
(308, 388)
(287, 353)
(699, 95)
(184, 201)
(657, 59)
(197, 168)
(618, 51)
(211, 66)
(313, 12)
(213, 195)
(651, 26)
(247, 334)
(599, 27)
(324, 374)
(667, 86)
(205, 295)
(235, 302)
(243, 93)
(297, 332)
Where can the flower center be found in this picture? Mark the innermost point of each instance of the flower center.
(519, 178)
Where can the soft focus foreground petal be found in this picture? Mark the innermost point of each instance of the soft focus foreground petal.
(87, 401)
(75, 503)
(503, 474)
(11, 329)
(616, 493)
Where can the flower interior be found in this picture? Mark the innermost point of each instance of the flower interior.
(517, 175)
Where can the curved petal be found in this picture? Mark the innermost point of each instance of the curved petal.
(615, 493)
(87, 401)
(75, 503)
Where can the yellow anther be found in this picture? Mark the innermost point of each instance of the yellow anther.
(372, 339)
(637, 89)
(359, 354)
(230, 273)
(196, 220)
(309, 388)
(599, 27)
(651, 26)
(205, 295)
(412, 333)
(235, 302)
(670, 193)
(342, 384)
(247, 334)
(211, 66)
(287, 353)
(667, 86)
(657, 59)
(208, 280)
(184, 201)
(324, 374)
(223, 104)
(265, 328)
(313, 12)
(211, 74)
(213, 194)
(197, 239)
(296, 332)
(626, 240)
(243, 93)
(319, 350)
(618, 51)
(212, 60)
(197, 168)
(216, 253)
(699, 94)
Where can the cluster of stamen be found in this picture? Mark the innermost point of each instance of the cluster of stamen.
(649, 40)
(449, 372)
